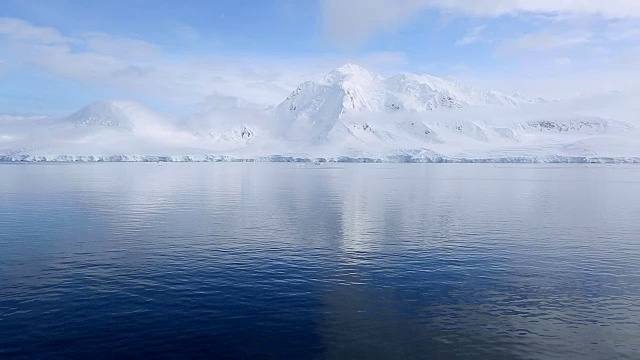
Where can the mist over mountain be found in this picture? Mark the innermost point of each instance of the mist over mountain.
(350, 113)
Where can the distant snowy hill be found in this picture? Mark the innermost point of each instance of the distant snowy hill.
(115, 114)
(351, 113)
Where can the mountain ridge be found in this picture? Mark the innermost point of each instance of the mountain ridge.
(315, 108)
(350, 112)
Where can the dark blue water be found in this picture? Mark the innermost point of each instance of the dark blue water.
(333, 261)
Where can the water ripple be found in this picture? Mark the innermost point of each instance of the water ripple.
(355, 261)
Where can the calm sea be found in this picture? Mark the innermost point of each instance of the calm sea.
(354, 261)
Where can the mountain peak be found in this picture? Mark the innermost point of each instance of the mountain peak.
(351, 68)
(349, 71)
(108, 113)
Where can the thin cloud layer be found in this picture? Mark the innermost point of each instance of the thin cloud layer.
(143, 70)
(354, 21)
(543, 48)
(139, 67)
(474, 36)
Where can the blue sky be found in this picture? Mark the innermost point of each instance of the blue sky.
(59, 55)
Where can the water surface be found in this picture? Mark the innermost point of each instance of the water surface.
(332, 261)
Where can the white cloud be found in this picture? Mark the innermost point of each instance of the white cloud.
(111, 45)
(138, 67)
(564, 74)
(22, 30)
(354, 21)
(473, 36)
(623, 30)
(545, 41)
(491, 8)
(134, 67)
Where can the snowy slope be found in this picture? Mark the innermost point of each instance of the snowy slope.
(315, 109)
(105, 127)
(115, 114)
(351, 113)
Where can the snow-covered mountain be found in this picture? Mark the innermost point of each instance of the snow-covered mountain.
(114, 114)
(117, 115)
(349, 113)
(353, 88)
(316, 109)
